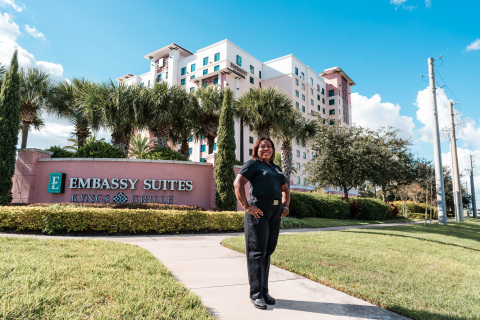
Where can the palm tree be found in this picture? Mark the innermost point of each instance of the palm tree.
(67, 100)
(164, 105)
(187, 125)
(34, 90)
(139, 145)
(211, 99)
(74, 147)
(294, 126)
(120, 108)
(264, 108)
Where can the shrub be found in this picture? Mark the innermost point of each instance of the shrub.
(59, 152)
(417, 210)
(157, 206)
(371, 209)
(292, 223)
(163, 153)
(314, 204)
(68, 218)
(99, 149)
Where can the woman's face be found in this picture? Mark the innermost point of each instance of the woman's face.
(265, 150)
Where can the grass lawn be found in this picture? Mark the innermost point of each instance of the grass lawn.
(86, 279)
(422, 272)
(325, 223)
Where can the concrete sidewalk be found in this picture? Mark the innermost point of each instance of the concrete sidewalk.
(219, 277)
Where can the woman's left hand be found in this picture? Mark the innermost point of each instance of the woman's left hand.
(285, 212)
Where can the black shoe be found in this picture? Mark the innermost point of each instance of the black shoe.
(259, 304)
(268, 299)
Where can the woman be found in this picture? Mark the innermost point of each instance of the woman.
(268, 203)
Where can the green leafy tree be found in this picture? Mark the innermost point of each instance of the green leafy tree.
(9, 120)
(139, 145)
(34, 90)
(340, 157)
(99, 149)
(264, 108)
(186, 124)
(224, 173)
(163, 153)
(210, 105)
(293, 126)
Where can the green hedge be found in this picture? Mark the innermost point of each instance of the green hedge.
(416, 210)
(317, 205)
(61, 218)
(372, 209)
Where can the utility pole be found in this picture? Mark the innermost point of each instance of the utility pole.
(474, 205)
(440, 190)
(457, 189)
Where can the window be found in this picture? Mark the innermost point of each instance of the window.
(159, 77)
(318, 87)
(260, 74)
(252, 69)
(205, 61)
(192, 89)
(303, 97)
(296, 141)
(332, 122)
(331, 112)
(311, 112)
(203, 136)
(190, 150)
(311, 82)
(298, 153)
(323, 121)
(215, 81)
(142, 84)
(311, 102)
(318, 97)
(296, 93)
(203, 160)
(297, 105)
(192, 67)
(303, 108)
(323, 110)
(250, 152)
(192, 77)
(302, 76)
(260, 84)
(323, 91)
(298, 165)
(251, 80)
(311, 91)
(298, 180)
(318, 107)
(304, 155)
(239, 60)
(205, 71)
(190, 139)
(216, 57)
(331, 102)
(331, 92)
(216, 68)
(303, 86)
(203, 147)
(182, 82)
(215, 146)
(323, 100)
(296, 82)
(296, 71)
(250, 139)
(184, 71)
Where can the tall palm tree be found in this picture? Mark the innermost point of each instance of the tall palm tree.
(264, 108)
(34, 90)
(164, 104)
(210, 102)
(294, 126)
(186, 124)
(66, 100)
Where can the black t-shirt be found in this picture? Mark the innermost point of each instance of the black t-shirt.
(266, 180)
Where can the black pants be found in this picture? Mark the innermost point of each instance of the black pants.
(261, 237)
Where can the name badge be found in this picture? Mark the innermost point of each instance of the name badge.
(275, 202)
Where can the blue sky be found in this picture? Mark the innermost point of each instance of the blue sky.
(382, 45)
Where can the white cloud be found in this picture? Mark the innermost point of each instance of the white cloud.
(401, 4)
(12, 3)
(34, 32)
(475, 45)
(428, 3)
(398, 2)
(9, 32)
(373, 113)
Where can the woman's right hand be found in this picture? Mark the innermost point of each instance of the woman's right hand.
(255, 211)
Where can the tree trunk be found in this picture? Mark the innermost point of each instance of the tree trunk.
(263, 132)
(121, 140)
(162, 135)
(184, 149)
(384, 194)
(82, 132)
(26, 127)
(287, 159)
(211, 142)
(345, 193)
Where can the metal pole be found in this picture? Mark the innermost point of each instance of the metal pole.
(474, 205)
(457, 190)
(440, 190)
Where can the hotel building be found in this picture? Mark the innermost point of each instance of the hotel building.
(224, 64)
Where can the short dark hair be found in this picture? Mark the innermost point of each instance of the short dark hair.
(257, 145)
